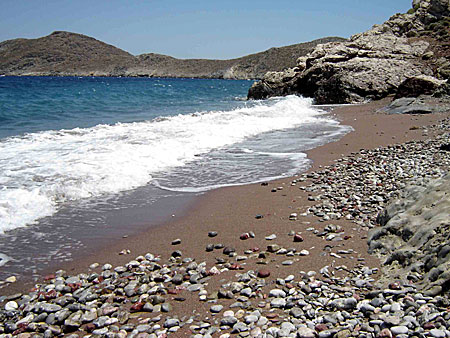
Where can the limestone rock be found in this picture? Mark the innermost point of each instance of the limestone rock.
(371, 65)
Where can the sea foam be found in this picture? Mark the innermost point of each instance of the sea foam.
(40, 171)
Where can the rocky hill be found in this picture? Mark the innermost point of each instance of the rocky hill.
(62, 53)
(65, 53)
(373, 64)
(252, 66)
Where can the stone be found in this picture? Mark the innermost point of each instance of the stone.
(385, 333)
(370, 65)
(216, 308)
(177, 253)
(278, 303)
(396, 330)
(418, 85)
(11, 306)
(11, 279)
(239, 327)
(263, 273)
(305, 332)
(171, 322)
(228, 250)
(437, 333)
(176, 241)
(166, 307)
(298, 238)
(277, 293)
(228, 321)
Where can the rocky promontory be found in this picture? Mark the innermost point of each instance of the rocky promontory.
(70, 54)
(373, 64)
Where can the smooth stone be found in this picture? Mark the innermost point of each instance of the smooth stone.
(296, 312)
(250, 319)
(166, 307)
(216, 308)
(11, 306)
(11, 279)
(277, 293)
(239, 327)
(298, 238)
(437, 333)
(271, 237)
(177, 253)
(305, 332)
(171, 322)
(212, 234)
(228, 250)
(396, 330)
(228, 321)
(228, 313)
(263, 273)
(278, 303)
(194, 287)
(176, 241)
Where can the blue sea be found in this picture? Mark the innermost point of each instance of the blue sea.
(77, 154)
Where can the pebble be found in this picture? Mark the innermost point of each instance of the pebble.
(263, 273)
(11, 279)
(212, 233)
(11, 306)
(396, 330)
(216, 308)
(136, 299)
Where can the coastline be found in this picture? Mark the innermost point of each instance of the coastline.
(234, 213)
(232, 210)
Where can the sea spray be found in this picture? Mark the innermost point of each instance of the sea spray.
(40, 171)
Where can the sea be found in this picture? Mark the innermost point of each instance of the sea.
(87, 160)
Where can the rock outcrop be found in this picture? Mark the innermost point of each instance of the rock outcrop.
(414, 237)
(65, 53)
(371, 65)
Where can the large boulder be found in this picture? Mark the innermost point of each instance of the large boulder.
(370, 65)
(419, 85)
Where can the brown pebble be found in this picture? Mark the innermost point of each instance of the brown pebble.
(263, 273)
(298, 238)
(321, 327)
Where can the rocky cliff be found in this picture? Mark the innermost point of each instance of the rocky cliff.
(65, 53)
(373, 64)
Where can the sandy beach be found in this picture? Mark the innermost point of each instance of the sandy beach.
(237, 214)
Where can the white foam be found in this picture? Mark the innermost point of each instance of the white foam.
(40, 171)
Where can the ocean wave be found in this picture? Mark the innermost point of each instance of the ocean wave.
(40, 171)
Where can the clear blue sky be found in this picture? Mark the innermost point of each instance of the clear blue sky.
(196, 28)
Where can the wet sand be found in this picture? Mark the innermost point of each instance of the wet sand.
(231, 212)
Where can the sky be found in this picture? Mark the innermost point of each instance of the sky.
(196, 28)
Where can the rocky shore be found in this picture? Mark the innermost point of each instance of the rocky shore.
(291, 258)
(263, 291)
(408, 55)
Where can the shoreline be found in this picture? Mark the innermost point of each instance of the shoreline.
(245, 219)
(371, 130)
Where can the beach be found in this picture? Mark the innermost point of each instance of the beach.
(254, 222)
